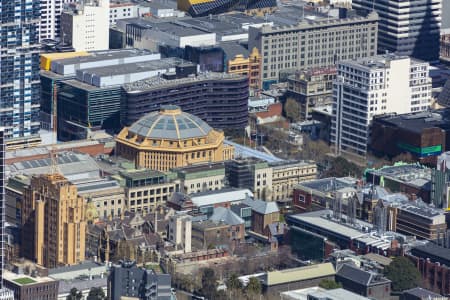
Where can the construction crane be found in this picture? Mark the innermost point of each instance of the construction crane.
(54, 110)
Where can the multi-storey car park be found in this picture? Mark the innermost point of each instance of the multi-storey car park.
(219, 99)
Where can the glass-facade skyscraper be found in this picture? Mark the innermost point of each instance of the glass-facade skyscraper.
(19, 71)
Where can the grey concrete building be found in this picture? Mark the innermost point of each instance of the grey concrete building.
(316, 43)
(445, 14)
(127, 280)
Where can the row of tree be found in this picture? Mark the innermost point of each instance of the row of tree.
(209, 283)
(96, 293)
(236, 289)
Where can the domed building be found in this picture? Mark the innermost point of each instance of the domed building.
(170, 139)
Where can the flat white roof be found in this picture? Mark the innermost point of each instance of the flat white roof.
(215, 197)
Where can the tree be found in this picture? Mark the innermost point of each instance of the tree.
(292, 110)
(403, 274)
(404, 157)
(209, 283)
(74, 294)
(96, 293)
(341, 167)
(233, 283)
(329, 284)
(220, 295)
(253, 288)
(315, 150)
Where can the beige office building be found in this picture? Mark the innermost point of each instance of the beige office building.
(202, 177)
(146, 190)
(286, 175)
(105, 198)
(313, 43)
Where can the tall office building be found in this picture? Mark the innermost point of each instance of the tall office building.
(19, 71)
(374, 86)
(85, 25)
(407, 27)
(5, 294)
(440, 182)
(53, 222)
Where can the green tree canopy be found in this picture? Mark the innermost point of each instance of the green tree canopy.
(74, 294)
(403, 274)
(253, 288)
(292, 110)
(329, 284)
(341, 167)
(209, 283)
(96, 293)
(233, 282)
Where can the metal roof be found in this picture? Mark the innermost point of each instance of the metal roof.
(360, 276)
(72, 165)
(96, 56)
(262, 207)
(220, 196)
(299, 274)
(172, 126)
(226, 215)
(320, 293)
(244, 152)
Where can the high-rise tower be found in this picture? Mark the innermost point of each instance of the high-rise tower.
(407, 27)
(19, 72)
(53, 222)
(374, 86)
(5, 294)
(50, 23)
(49, 27)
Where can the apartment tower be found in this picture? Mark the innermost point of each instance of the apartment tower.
(373, 86)
(85, 25)
(49, 27)
(19, 72)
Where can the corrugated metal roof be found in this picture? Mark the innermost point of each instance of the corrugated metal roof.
(299, 274)
(222, 214)
(72, 165)
(262, 207)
